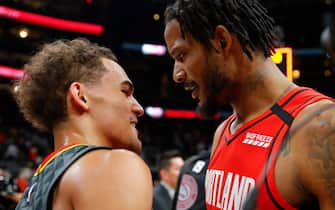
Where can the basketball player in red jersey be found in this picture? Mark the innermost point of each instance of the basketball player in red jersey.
(280, 140)
(76, 90)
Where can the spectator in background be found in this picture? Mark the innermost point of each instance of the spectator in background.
(328, 38)
(190, 192)
(9, 191)
(77, 90)
(169, 166)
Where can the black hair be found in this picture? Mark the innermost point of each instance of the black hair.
(165, 158)
(248, 19)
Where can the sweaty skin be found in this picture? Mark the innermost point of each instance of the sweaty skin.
(104, 179)
(304, 169)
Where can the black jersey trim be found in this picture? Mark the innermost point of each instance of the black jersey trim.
(228, 141)
(282, 114)
(59, 173)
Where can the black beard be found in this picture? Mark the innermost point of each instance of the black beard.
(208, 109)
(215, 83)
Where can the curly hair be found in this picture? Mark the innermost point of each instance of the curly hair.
(41, 93)
(248, 19)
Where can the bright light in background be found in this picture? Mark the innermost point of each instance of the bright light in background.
(23, 33)
(154, 112)
(296, 74)
(51, 22)
(11, 73)
(156, 17)
(277, 57)
(152, 49)
(145, 49)
(287, 54)
(184, 114)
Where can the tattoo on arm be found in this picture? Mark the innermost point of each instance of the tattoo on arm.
(285, 148)
(321, 153)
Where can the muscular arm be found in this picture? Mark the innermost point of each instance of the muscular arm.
(104, 180)
(317, 162)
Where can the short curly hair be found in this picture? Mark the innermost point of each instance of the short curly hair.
(41, 93)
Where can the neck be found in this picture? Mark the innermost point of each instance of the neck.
(168, 187)
(67, 133)
(260, 90)
(64, 138)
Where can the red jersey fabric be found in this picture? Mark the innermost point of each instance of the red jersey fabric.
(239, 160)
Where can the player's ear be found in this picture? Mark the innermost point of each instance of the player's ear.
(77, 97)
(222, 39)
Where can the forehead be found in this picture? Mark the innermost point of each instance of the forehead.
(173, 36)
(115, 73)
(176, 161)
(172, 29)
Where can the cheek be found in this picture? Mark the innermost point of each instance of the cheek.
(111, 113)
(176, 172)
(198, 68)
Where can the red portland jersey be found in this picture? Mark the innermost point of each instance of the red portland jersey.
(238, 162)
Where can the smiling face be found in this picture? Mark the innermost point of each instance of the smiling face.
(114, 109)
(198, 69)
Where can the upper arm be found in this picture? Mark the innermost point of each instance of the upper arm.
(116, 179)
(317, 157)
(216, 139)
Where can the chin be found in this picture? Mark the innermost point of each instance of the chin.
(207, 109)
(137, 149)
(136, 146)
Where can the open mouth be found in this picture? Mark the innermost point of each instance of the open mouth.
(193, 88)
(133, 122)
(195, 93)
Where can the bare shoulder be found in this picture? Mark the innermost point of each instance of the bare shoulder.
(313, 140)
(315, 121)
(217, 135)
(107, 179)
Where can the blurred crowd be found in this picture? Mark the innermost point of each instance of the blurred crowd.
(22, 148)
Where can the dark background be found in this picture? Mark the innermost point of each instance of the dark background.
(299, 23)
(131, 21)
